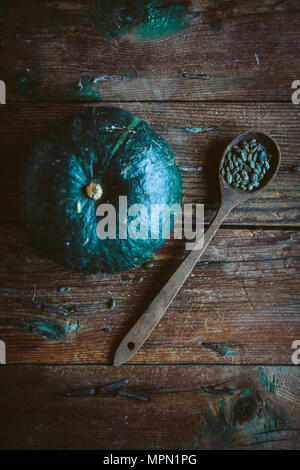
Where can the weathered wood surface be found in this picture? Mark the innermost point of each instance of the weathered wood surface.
(190, 408)
(227, 50)
(197, 133)
(240, 305)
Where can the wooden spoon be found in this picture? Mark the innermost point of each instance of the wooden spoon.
(230, 197)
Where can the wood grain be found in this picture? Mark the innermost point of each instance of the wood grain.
(197, 133)
(239, 306)
(190, 408)
(229, 51)
(241, 303)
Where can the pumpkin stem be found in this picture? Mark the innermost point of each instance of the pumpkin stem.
(93, 191)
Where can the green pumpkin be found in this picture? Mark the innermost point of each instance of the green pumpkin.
(88, 160)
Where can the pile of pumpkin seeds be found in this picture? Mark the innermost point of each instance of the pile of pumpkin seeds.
(246, 164)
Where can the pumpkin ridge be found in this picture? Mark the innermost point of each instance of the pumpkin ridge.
(135, 121)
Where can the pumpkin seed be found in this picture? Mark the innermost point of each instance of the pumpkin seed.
(244, 155)
(258, 167)
(262, 157)
(229, 178)
(112, 304)
(245, 165)
(254, 178)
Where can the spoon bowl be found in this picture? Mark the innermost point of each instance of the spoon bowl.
(272, 147)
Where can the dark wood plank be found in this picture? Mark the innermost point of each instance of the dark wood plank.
(190, 408)
(197, 134)
(239, 306)
(228, 50)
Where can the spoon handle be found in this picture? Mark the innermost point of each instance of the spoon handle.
(138, 334)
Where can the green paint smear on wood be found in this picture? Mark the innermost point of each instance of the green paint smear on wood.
(149, 19)
(220, 348)
(164, 21)
(129, 75)
(84, 90)
(218, 427)
(26, 83)
(49, 330)
(245, 417)
(270, 383)
(199, 130)
(248, 391)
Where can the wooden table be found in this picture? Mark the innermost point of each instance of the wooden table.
(218, 368)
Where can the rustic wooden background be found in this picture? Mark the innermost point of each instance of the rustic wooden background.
(217, 370)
